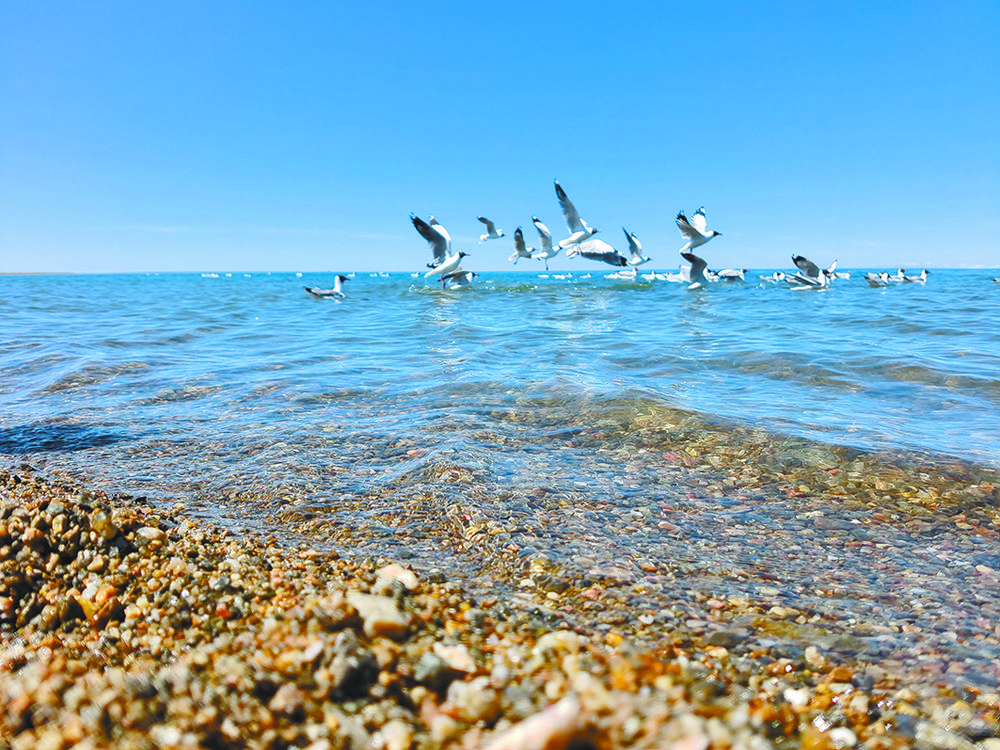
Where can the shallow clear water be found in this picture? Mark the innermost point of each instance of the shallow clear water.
(238, 362)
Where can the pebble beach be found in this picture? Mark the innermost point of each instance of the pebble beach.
(131, 624)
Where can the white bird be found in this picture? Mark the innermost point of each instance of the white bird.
(599, 250)
(578, 229)
(630, 272)
(436, 235)
(696, 274)
(694, 230)
(335, 293)
(877, 279)
(732, 274)
(900, 275)
(635, 249)
(809, 275)
(921, 279)
(774, 277)
(683, 275)
(547, 250)
(520, 249)
(458, 279)
(835, 274)
(440, 241)
(492, 233)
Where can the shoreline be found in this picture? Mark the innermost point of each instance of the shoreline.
(124, 625)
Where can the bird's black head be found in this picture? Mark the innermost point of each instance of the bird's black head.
(462, 254)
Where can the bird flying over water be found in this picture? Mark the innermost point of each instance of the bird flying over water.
(694, 231)
(492, 233)
(547, 250)
(335, 293)
(697, 272)
(634, 249)
(520, 249)
(458, 279)
(595, 249)
(578, 229)
(440, 243)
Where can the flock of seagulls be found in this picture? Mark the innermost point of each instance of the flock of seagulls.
(446, 263)
(580, 243)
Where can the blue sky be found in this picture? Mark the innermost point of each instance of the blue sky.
(253, 136)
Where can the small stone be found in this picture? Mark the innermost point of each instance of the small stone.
(396, 735)
(379, 614)
(392, 574)
(455, 657)
(933, 737)
(288, 700)
(726, 638)
(474, 701)
(842, 737)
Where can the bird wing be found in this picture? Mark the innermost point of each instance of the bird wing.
(519, 242)
(698, 220)
(687, 231)
(436, 238)
(634, 246)
(490, 227)
(596, 249)
(698, 265)
(544, 235)
(806, 266)
(573, 220)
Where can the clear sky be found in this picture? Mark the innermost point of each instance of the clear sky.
(300, 136)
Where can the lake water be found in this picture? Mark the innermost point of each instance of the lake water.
(242, 363)
(539, 419)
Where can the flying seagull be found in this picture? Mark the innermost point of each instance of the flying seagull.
(578, 229)
(694, 230)
(634, 249)
(547, 249)
(595, 249)
(440, 242)
(492, 233)
(697, 272)
(520, 249)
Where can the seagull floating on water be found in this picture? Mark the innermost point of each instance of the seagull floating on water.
(335, 293)
(835, 274)
(920, 279)
(578, 229)
(694, 230)
(595, 249)
(731, 274)
(809, 276)
(547, 250)
(492, 233)
(635, 249)
(440, 241)
(877, 279)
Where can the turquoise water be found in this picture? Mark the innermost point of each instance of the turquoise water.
(222, 368)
